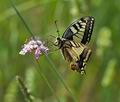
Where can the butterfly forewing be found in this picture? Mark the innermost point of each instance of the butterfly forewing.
(80, 30)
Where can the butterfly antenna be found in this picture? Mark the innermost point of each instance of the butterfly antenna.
(57, 28)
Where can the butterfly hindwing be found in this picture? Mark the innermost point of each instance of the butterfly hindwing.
(81, 29)
(76, 54)
(80, 64)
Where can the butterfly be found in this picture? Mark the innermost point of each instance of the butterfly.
(73, 43)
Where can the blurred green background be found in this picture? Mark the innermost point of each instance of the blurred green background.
(102, 81)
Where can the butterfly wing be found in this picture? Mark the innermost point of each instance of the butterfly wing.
(76, 54)
(71, 50)
(81, 29)
(72, 53)
(80, 64)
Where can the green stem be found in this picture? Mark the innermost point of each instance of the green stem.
(31, 33)
(45, 79)
(22, 19)
(24, 89)
(60, 77)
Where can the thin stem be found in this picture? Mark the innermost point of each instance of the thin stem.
(45, 79)
(61, 78)
(22, 19)
(31, 33)
(53, 67)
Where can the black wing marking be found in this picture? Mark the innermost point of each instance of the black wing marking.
(81, 28)
(84, 57)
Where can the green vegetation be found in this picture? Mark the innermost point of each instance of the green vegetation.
(50, 79)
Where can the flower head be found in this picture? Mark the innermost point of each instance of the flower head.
(36, 46)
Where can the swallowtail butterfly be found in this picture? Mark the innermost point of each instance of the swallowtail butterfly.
(73, 43)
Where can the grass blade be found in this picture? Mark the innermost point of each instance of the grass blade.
(31, 33)
(24, 90)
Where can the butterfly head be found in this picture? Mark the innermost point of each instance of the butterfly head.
(59, 42)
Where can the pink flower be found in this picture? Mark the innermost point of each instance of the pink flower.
(36, 46)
